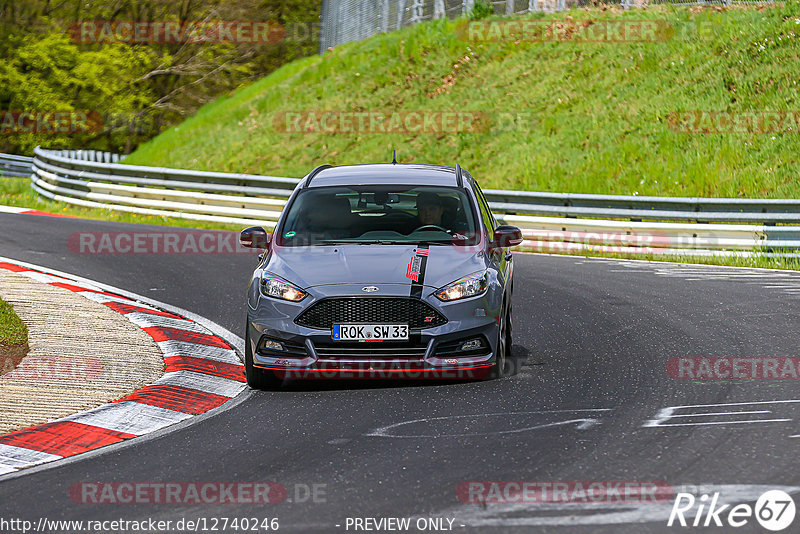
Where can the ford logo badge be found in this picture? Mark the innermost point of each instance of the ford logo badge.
(369, 289)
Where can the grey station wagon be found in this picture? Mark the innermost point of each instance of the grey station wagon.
(381, 271)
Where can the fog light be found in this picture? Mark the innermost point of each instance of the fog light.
(269, 344)
(472, 344)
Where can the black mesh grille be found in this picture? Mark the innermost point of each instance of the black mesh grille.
(413, 312)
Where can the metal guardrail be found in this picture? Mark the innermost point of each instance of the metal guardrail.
(11, 165)
(550, 221)
(766, 211)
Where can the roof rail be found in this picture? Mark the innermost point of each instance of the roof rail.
(459, 178)
(313, 173)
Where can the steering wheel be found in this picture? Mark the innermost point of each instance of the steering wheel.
(430, 227)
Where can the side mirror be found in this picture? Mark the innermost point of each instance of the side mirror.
(507, 236)
(254, 237)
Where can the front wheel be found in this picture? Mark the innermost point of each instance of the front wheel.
(257, 378)
(503, 340)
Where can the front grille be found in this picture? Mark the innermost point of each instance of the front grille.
(380, 310)
(370, 351)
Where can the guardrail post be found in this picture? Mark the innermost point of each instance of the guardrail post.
(438, 9)
(401, 7)
(385, 17)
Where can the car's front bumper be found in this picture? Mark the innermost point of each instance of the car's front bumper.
(429, 353)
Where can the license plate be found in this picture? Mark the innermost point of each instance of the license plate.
(370, 332)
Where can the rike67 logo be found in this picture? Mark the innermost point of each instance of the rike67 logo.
(774, 510)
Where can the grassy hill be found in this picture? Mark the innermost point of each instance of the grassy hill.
(589, 117)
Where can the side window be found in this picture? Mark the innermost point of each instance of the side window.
(486, 213)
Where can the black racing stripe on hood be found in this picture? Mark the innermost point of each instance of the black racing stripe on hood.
(422, 252)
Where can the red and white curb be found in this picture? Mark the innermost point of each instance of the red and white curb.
(28, 211)
(202, 372)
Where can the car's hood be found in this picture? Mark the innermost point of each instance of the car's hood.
(370, 264)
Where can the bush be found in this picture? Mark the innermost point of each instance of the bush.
(481, 9)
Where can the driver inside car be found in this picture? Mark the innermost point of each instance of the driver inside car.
(430, 209)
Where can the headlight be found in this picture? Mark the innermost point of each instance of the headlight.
(470, 286)
(274, 286)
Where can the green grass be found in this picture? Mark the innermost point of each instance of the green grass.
(598, 114)
(12, 330)
(17, 192)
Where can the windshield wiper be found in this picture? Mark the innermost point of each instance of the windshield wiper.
(363, 242)
(411, 242)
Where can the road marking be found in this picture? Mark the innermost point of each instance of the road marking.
(719, 413)
(665, 414)
(581, 423)
(727, 422)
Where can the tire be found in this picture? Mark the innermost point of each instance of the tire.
(257, 378)
(509, 326)
(499, 367)
(512, 365)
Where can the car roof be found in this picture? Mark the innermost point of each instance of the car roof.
(386, 173)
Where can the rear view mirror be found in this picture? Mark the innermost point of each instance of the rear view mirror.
(507, 236)
(254, 237)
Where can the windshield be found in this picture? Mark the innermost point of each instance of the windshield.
(379, 214)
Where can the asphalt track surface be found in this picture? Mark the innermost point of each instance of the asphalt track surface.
(592, 338)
